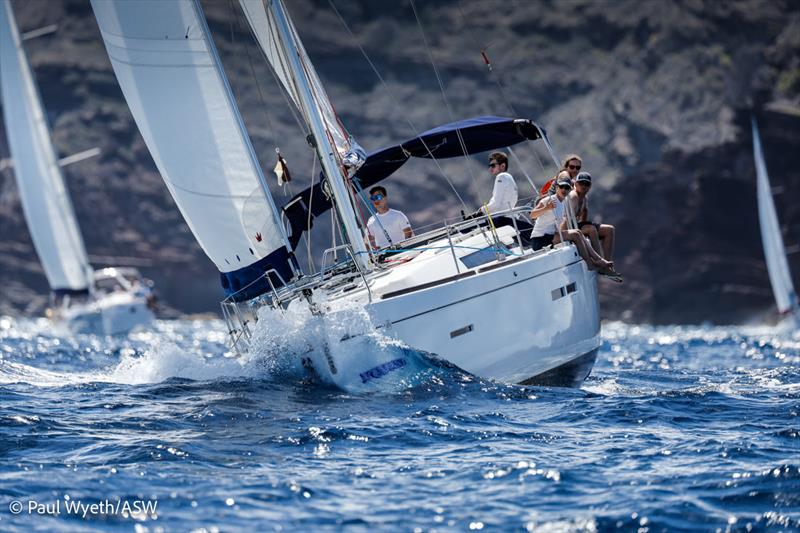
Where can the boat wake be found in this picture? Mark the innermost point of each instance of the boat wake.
(341, 347)
(287, 347)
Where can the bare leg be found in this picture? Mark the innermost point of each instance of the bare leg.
(591, 233)
(606, 233)
(584, 249)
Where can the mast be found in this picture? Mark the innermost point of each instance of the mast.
(324, 147)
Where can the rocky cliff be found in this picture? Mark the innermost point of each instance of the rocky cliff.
(656, 96)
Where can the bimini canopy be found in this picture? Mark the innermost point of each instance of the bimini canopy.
(479, 134)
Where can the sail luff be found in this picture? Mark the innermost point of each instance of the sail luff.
(313, 102)
(774, 251)
(45, 200)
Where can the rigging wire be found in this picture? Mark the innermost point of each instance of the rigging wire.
(395, 101)
(486, 60)
(496, 78)
(444, 93)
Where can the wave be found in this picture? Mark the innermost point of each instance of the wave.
(286, 346)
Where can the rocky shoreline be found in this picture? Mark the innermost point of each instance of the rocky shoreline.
(656, 96)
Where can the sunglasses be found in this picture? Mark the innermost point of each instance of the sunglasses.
(376, 197)
(574, 167)
(492, 165)
(564, 187)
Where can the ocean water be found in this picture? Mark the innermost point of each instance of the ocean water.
(677, 429)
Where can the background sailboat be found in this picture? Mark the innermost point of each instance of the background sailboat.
(108, 301)
(774, 250)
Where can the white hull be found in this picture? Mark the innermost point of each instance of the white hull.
(531, 318)
(110, 314)
(503, 324)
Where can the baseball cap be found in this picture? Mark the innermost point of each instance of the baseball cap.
(564, 182)
(584, 176)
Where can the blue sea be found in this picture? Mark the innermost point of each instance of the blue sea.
(677, 429)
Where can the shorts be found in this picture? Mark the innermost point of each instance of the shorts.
(537, 243)
(587, 223)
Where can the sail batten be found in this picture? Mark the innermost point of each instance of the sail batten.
(45, 200)
(169, 71)
(774, 251)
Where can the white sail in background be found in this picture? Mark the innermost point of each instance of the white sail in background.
(48, 210)
(774, 251)
(169, 71)
(264, 28)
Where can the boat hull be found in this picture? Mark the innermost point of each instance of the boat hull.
(519, 322)
(115, 314)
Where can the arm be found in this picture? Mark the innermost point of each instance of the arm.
(502, 195)
(407, 231)
(544, 205)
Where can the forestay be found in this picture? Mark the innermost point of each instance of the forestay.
(48, 210)
(170, 73)
(774, 252)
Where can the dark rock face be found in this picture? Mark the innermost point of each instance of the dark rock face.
(656, 96)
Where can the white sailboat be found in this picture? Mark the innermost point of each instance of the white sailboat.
(774, 250)
(108, 301)
(471, 293)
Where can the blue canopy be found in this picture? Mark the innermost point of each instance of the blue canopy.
(479, 134)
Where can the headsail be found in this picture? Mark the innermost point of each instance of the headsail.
(48, 210)
(171, 76)
(774, 251)
(265, 29)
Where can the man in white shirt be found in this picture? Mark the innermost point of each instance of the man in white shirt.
(386, 227)
(504, 193)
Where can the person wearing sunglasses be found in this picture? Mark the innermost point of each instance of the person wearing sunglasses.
(504, 192)
(551, 227)
(386, 227)
(571, 165)
(596, 233)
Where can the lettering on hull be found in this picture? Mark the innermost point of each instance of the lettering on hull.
(381, 370)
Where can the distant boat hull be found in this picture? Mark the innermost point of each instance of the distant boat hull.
(114, 314)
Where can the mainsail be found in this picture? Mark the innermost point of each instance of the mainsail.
(45, 200)
(171, 76)
(774, 252)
